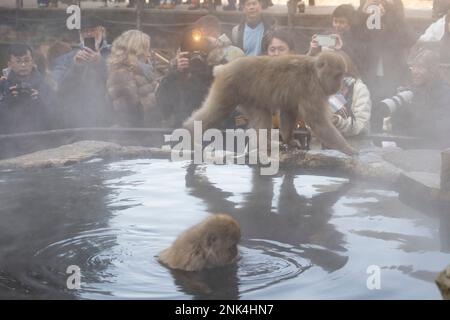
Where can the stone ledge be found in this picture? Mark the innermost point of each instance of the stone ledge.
(77, 152)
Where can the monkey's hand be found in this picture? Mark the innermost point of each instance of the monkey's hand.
(351, 151)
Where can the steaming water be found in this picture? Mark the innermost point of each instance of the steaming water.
(304, 236)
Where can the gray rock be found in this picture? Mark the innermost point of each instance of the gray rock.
(421, 160)
(369, 164)
(78, 152)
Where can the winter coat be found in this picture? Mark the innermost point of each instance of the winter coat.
(23, 113)
(361, 107)
(386, 65)
(82, 90)
(180, 93)
(428, 116)
(131, 92)
(434, 32)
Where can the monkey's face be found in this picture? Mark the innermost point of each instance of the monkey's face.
(330, 69)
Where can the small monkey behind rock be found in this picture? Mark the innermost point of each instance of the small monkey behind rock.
(209, 244)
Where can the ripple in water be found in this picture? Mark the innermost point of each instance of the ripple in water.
(265, 263)
(122, 263)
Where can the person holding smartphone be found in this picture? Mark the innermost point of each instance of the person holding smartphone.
(81, 75)
(132, 81)
(344, 36)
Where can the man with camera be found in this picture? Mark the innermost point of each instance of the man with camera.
(27, 102)
(184, 88)
(81, 76)
(422, 110)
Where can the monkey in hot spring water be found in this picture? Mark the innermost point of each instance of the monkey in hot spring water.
(297, 86)
(209, 244)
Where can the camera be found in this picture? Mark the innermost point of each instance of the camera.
(24, 88)
(400, 100)
(198, 47)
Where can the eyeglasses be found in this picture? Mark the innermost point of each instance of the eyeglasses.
(25, 61)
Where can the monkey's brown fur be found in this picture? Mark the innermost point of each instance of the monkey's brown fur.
(298, 86)
(211, 243)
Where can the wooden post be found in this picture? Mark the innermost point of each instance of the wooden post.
(292, 10)
(445, 172)
(139, 9)
(19, 5)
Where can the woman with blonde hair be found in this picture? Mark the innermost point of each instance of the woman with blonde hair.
(131, 79)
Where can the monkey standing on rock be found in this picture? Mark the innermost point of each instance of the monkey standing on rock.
(298, 86)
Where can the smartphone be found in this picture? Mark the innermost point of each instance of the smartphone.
(326, 41)
(337, 102)
(90, 43)
(5, 72)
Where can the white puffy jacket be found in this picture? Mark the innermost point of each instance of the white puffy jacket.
(361, 107)
(434, 32)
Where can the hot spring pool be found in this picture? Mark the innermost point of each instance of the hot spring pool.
(303, 236)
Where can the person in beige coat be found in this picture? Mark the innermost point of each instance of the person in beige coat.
(351, 106)
(131, 80)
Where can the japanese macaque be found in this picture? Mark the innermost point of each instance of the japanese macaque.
(209, 244)
(443, 282)
(296, 86)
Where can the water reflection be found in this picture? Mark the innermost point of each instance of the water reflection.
(295, 220)
(444, 226)
(220, 283)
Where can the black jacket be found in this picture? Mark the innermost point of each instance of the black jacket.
(391, 44)
(428, 117)
(22, 113)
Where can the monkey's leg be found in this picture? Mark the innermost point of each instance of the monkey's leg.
(261, 118)
(318, 118)
(288, 123)
(218, 105)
